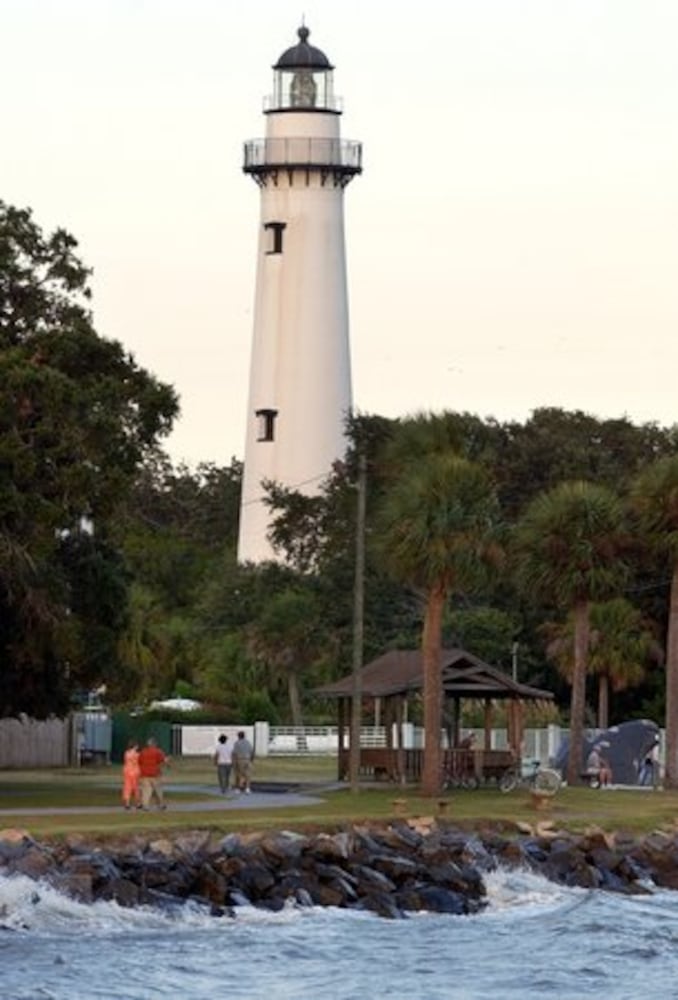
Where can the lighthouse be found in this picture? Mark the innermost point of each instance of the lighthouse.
(300, 370)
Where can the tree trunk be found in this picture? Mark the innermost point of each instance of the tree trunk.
(671, 721)
(433, 693)
(295, 700)
(603, 701)
(575, 762)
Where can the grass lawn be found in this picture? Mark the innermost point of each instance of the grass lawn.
(192, 780)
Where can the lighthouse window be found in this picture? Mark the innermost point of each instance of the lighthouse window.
(276, 230)
(266, 424)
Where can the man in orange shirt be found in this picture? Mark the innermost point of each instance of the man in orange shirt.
(151, 762)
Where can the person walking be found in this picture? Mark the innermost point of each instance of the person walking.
(223, 758)
(243, 755)
(152, 760)
(649, 769)
(130, 776)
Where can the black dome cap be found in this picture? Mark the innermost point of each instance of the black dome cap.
(302, 55)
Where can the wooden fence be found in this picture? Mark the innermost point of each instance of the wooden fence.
(28, 742)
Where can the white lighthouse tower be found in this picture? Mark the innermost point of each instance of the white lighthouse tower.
(300, 376)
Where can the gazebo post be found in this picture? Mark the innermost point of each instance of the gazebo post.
(400, 750)
(342, 756)
(487, 743)
(520, 726)
(456, 717)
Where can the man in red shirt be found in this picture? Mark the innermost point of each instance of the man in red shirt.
(151, 762)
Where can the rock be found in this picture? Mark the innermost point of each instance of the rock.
(381, 903)
(34, 863)
(123, 891)
(388, 868)
(432, 898)
(163, 846)
(14, 836)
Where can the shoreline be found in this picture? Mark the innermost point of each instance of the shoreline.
(389, 867)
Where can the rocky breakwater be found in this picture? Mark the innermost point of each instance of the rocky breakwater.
(390, 869)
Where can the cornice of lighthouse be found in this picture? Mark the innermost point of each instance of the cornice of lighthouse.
(336, 161)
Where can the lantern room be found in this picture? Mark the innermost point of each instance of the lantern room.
(302, 79)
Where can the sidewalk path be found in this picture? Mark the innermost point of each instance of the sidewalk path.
(217, 803)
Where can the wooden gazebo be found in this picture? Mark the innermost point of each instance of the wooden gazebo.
(396, 677)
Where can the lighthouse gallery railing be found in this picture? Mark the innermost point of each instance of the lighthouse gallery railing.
(303, 152)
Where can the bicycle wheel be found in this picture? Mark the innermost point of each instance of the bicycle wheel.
(508, 781)
(547, 781)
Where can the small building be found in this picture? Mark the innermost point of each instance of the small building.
(396, 677)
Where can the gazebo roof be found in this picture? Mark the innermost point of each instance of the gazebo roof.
(399, 671)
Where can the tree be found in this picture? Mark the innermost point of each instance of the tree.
(621, 645)
(288, 636)
(555, 446)
(486, 631)
(654, 500)
(77, 418)
(435, 531)
(569, 547)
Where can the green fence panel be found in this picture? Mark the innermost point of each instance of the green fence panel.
(136, 727)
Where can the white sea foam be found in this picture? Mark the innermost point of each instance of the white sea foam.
(38, 907)
(517, 887)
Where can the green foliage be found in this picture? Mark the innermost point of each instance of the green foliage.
(77, 418)
(256, 706)
(570, 544)
(226, 673)
(556, 446)
(622, 649)
(289, 637)
(436, 523)
(569, 547)
(654, 501)
(486, 631)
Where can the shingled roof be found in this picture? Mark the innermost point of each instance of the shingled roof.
(399, 671)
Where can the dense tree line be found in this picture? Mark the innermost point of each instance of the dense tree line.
(240, 635)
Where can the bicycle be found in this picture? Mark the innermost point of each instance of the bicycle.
(531, 775)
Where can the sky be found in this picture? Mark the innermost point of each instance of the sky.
(511, 244)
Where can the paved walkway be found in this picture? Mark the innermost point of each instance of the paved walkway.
(264, 799)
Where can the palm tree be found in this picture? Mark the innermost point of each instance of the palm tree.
(568, 549)
(621, 644)
(654, 499)
(434, 531)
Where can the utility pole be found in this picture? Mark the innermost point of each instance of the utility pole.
(514, 661)
(358, 627)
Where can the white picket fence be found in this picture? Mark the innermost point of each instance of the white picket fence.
(318, 741)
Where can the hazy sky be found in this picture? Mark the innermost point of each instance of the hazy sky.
(512, 243)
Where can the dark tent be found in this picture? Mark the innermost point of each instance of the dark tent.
(624, 746)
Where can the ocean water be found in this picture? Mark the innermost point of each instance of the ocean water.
(535, 939)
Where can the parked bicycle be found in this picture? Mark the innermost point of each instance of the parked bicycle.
(531, 775)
